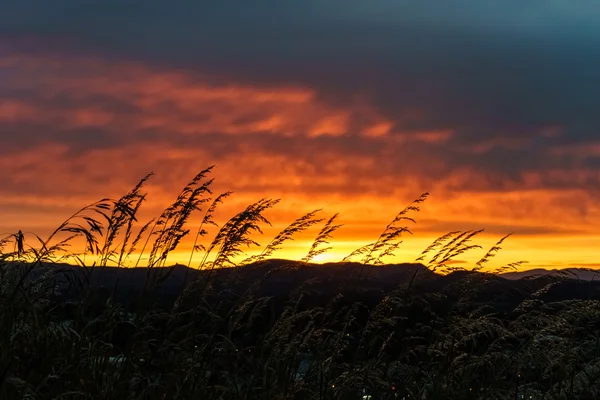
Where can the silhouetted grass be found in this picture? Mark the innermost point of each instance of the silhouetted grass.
(232, 326)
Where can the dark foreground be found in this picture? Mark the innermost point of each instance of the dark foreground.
(285, 330)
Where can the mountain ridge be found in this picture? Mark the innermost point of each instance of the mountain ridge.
(179, 271)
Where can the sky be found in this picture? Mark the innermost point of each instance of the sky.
(350, 106)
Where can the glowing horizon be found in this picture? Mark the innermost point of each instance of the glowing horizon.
(344, 127)
(547, 251)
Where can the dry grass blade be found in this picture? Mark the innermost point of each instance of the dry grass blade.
(458, 247)
(235, 234)
(386, 243)
(173, 219)
(299, 225)
(447, 247)
(91, 233)
(123, 253)
(509, 267)
(322, 239)
(435, 244)
(490, 254)
(358, 252)
(454, 248)
(138, 238)
(123, 214)
(207, 220)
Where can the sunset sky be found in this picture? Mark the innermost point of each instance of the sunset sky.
(351, 106)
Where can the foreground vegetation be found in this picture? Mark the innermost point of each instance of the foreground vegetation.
(227, 326)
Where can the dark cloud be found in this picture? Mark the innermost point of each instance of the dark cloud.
(482, 68)
(499, 76)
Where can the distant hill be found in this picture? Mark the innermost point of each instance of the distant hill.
(583, 274)
(319, 284)
(277, 276)
(390, 273)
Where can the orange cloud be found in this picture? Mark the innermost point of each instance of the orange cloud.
(171, 101)
(85, 128)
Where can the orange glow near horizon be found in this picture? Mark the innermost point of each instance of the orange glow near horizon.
(540, 251)
(546, 253)
(110, 123)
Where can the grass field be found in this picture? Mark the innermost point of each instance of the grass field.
(94, 311)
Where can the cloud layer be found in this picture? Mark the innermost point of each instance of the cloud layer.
(355, 108)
